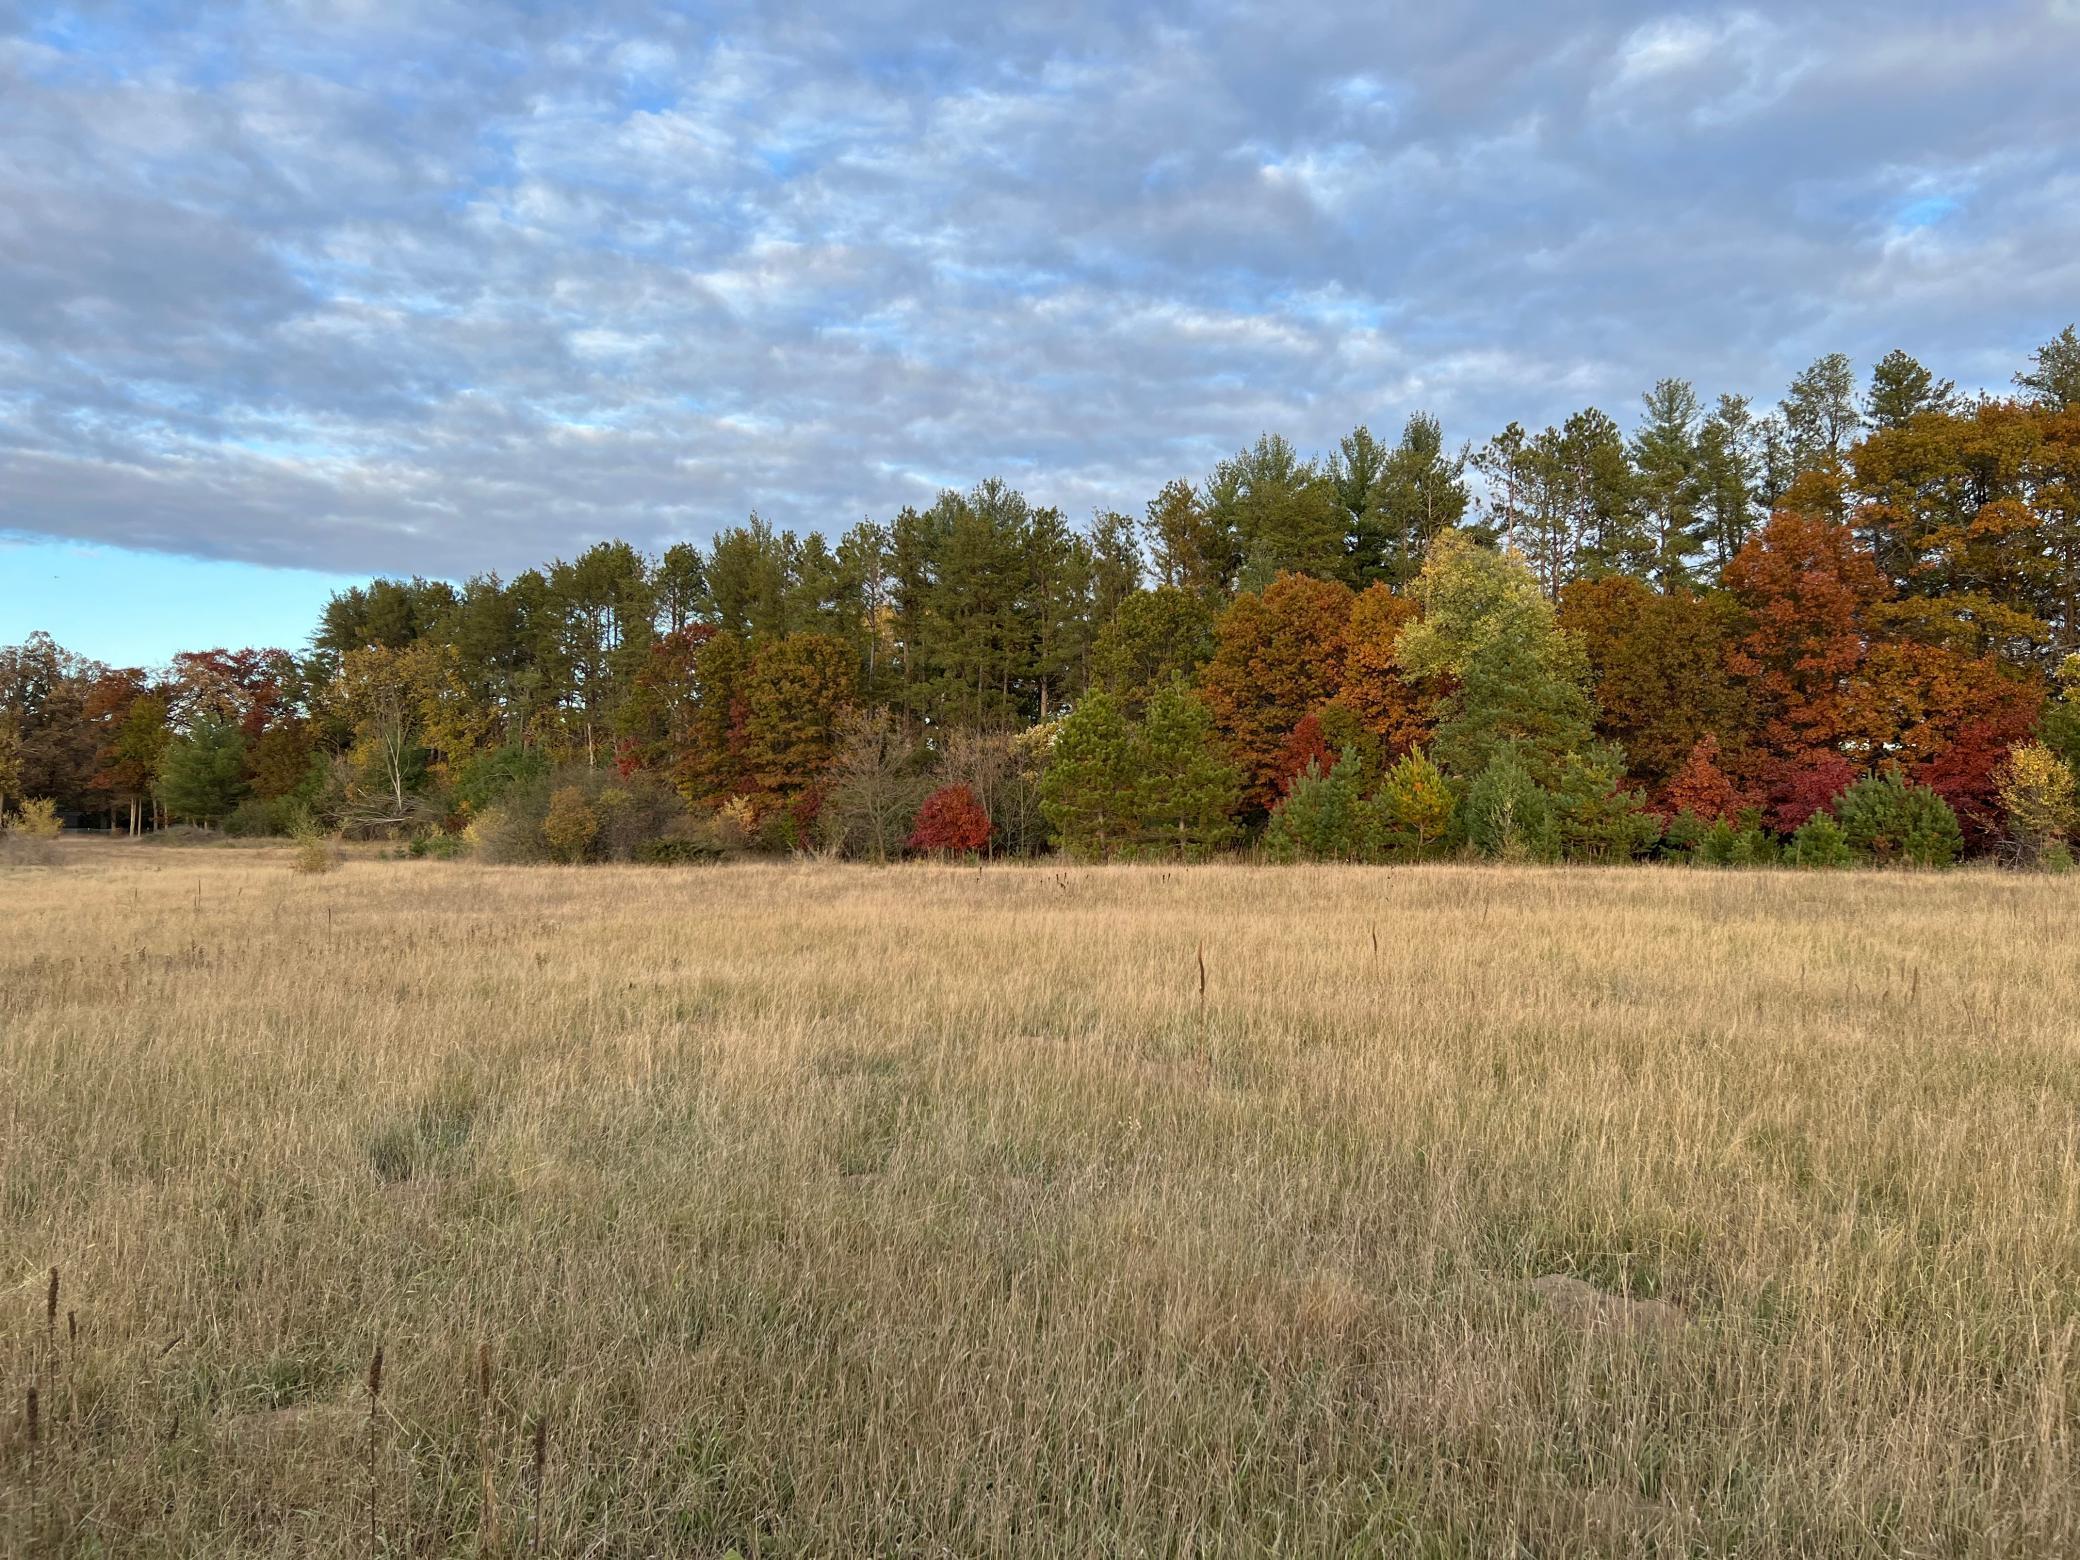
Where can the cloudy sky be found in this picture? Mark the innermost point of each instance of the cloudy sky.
(306, 291)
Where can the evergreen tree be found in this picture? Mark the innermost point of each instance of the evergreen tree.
(1901, 389)
(1666, 456)
(1090, 793)
(1190, 550)
(202, 773)
(1154, 637)
(2055, 381)
(1187, 790)
(1820, 411)
(1323, 817)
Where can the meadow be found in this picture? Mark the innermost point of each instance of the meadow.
(805, 1209)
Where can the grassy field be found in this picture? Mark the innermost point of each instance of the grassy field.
(818, 1210)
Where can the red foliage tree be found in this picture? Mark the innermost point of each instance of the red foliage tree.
(1807, 784)
(1806, 587)
(951, 820)
(1278, 657)
(1385, 703)
(1308, 744)
(1701, 787)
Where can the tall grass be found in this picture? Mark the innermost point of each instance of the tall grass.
(817, 1210)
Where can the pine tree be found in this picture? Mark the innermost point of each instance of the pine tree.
(2055, 381)
(1901, 389)
(202, 775)
(1666, 456)
(1187, 790)
(1089, 795)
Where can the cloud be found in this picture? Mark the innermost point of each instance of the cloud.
(442, 287)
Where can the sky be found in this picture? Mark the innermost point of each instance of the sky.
(297, 293)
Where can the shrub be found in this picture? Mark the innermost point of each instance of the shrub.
(1820, 842)
(951, 820)
(266, 817)
(485, 779)
(571, 823)
(1891, 820)
(37, 820)
(508, 835)
(314, 855)
(440, 845)
(677, 851)
(2037, 793)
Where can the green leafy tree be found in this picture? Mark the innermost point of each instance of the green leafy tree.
(1670, 485)
(1515, 681)
(202, 775)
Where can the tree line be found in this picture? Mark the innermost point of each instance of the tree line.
(1847, 626)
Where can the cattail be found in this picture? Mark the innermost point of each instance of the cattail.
(484, 1372)
(50, 1305)
(35, 1420)
(72, 1328)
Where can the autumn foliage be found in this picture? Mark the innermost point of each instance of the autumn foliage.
(951, 821)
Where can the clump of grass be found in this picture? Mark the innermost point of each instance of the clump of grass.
(421, 1140)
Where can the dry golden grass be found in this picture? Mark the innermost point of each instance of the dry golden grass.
(815, 1210)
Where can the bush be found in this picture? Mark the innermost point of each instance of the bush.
(1820, 842)
(677, 851)
(485, 779)
(37, 820)
(951, 820)
(440, 845)
(570, 825)
(2037, 793)
(267, 817)
(628, 814)
(1683, 834)
(1891, 820)
(314, 854)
